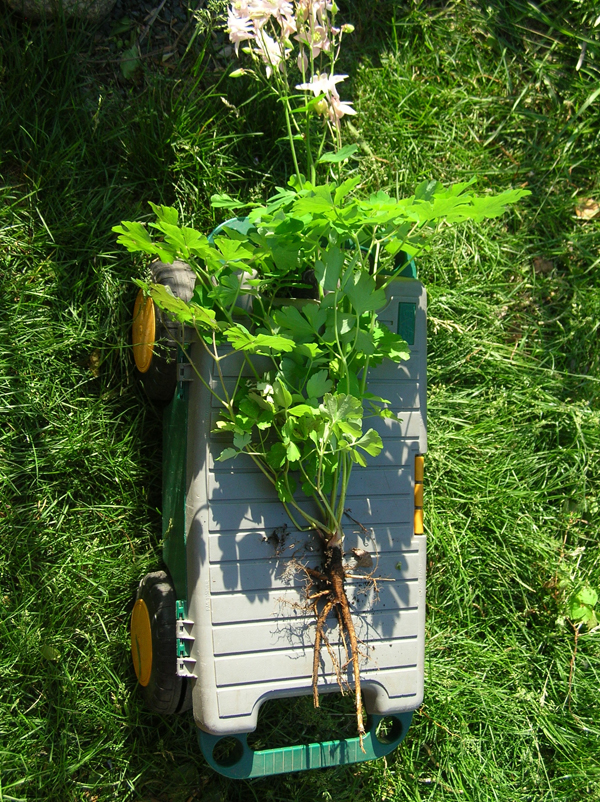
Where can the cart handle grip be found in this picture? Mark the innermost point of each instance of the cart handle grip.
(243, 762)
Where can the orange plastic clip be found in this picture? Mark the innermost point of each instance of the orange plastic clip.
(419, 472)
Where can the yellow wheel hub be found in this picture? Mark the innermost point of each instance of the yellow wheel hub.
(143, 332)
(141, 642)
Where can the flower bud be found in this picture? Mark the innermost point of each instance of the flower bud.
(347, 28)
(237, 73)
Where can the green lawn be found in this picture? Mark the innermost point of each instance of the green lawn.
(443, 90)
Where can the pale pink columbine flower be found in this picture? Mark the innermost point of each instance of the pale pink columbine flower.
(331, 104)
(316, 38)
(270, 51)
(288, 26)
(303, 8)
(284, 9)
(240, 8)
(338, 108)
(312, 9)
(260, 11)
(322, 84)
(240, 29)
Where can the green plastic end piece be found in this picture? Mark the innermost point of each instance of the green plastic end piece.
(410, 271)
(241, 224)
(241, 762)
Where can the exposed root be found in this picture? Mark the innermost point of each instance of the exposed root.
(325, 594)
(336, 599)
(317, 649)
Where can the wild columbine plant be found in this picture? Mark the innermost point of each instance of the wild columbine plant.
(299, 40)
(301, 288)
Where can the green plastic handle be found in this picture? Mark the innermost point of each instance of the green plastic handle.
(243, 762)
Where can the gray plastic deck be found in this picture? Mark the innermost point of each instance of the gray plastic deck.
(252, 635)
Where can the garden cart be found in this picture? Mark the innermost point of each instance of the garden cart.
(227, 627)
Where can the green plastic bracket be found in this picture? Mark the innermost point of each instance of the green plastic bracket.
(241, 224)
(174, 485)
(242, 762)
(181, 609)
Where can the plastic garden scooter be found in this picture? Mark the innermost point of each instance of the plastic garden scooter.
(225, 630)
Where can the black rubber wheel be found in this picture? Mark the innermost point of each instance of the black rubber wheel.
(160, 379)
(153, 622)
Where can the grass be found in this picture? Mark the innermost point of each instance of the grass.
(445, 91)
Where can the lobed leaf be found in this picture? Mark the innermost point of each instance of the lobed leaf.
(339, 156)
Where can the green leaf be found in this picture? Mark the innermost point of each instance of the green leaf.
(310, 106)
(241, 339)
(344, 189)
(363, 294)
(205, 318)
(302, 409)
(339, 156)
(328, 270)
(293, 452)
(372, 397)
(165, 299)
(182, 238)
(316, 316)
(225, 202)
(353, 429)
(180, 310)
(341, 407)
(286, 257)
(318, 384)
(233, 250)
(290, 318)
(165, 214)
(587, 596)
(346, 324)
(357, 457)
(370, 442)
(227, 453)
(281, 395)
(264, 343)
(228, 290)
(495, 205)
(225, 426)
(385, 413)
(135, 237)
(310, 350)
(317, 201)
(265, 419)
(581, 606)
(50, 653)
(130, 61)
(240, 441)
(426, 190)
(276, 456)
(365, 343)
(390, 345)
(285, 490)
(250, 408)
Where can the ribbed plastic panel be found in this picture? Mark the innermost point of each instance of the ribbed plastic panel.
(253, 635)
